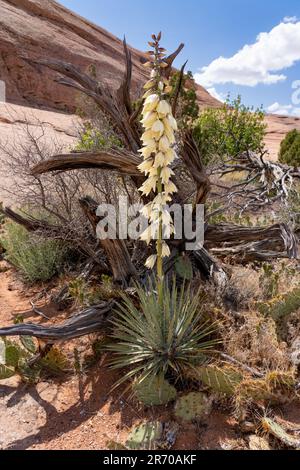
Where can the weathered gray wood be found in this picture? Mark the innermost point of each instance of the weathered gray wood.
(88, 321)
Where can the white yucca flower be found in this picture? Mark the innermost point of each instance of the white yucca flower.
(166, 174)
(164, 144)
(164, 108)
(165, 250)
(158, 139)
(151, 103)
(146, 166)
(151, 261)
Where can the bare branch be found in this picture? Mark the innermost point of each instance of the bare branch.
(119, 160)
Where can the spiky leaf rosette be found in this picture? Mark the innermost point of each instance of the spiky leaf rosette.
(158, 338)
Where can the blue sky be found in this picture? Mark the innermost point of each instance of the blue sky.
(262, 69)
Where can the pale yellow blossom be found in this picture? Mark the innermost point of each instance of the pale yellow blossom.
(159, 160)
(146, 166)
(158, 127)
(151, 145)
(149, 85)
(150, 263)
(166, 217)
(153, 171)
(170, 156)
(163, 108)
(151, 103)
(165, 250)
(149, 185)
(147, 235)
(173, 122)
(149, 119)
(164, 144)
(146, 152)
(166, 174)
(170, 188)
(162, 199)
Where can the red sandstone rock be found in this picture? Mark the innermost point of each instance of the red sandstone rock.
(44, 28)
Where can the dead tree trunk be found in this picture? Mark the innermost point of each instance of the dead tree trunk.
(116, 250)
(88, 321)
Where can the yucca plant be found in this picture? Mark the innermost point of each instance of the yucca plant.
(156, 339)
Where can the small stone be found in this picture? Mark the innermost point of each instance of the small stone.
(258, 443)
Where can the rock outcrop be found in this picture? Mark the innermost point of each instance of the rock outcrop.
(278, 127)
(43, 28)
(18, 124)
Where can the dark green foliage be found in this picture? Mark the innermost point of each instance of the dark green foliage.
(290, 149)
(187, 107)
(229, 130)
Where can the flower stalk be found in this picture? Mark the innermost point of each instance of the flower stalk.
(158, 155)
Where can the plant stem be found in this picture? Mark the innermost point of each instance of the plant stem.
(160, 274)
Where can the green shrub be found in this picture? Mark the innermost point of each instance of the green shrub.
(92, 139)
(290, 149)
(187, 105)
(154, 340)
(37, 259)
(282, 305)
(229, 131)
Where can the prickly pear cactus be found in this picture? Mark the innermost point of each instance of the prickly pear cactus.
(12, 355)
(155, 392)
(220, 379)
(194, 405)
(55, 361)
(145, 437)
(255, 390)
(271, 427)
(28, 344)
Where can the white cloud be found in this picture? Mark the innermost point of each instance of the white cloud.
(283, 109)
(290, 19)
(219, 96)
(259, 62)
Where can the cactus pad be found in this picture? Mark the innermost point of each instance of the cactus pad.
(155, 392)
(194, 405)
(219, 379)
(271, 427)
(145, 436)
